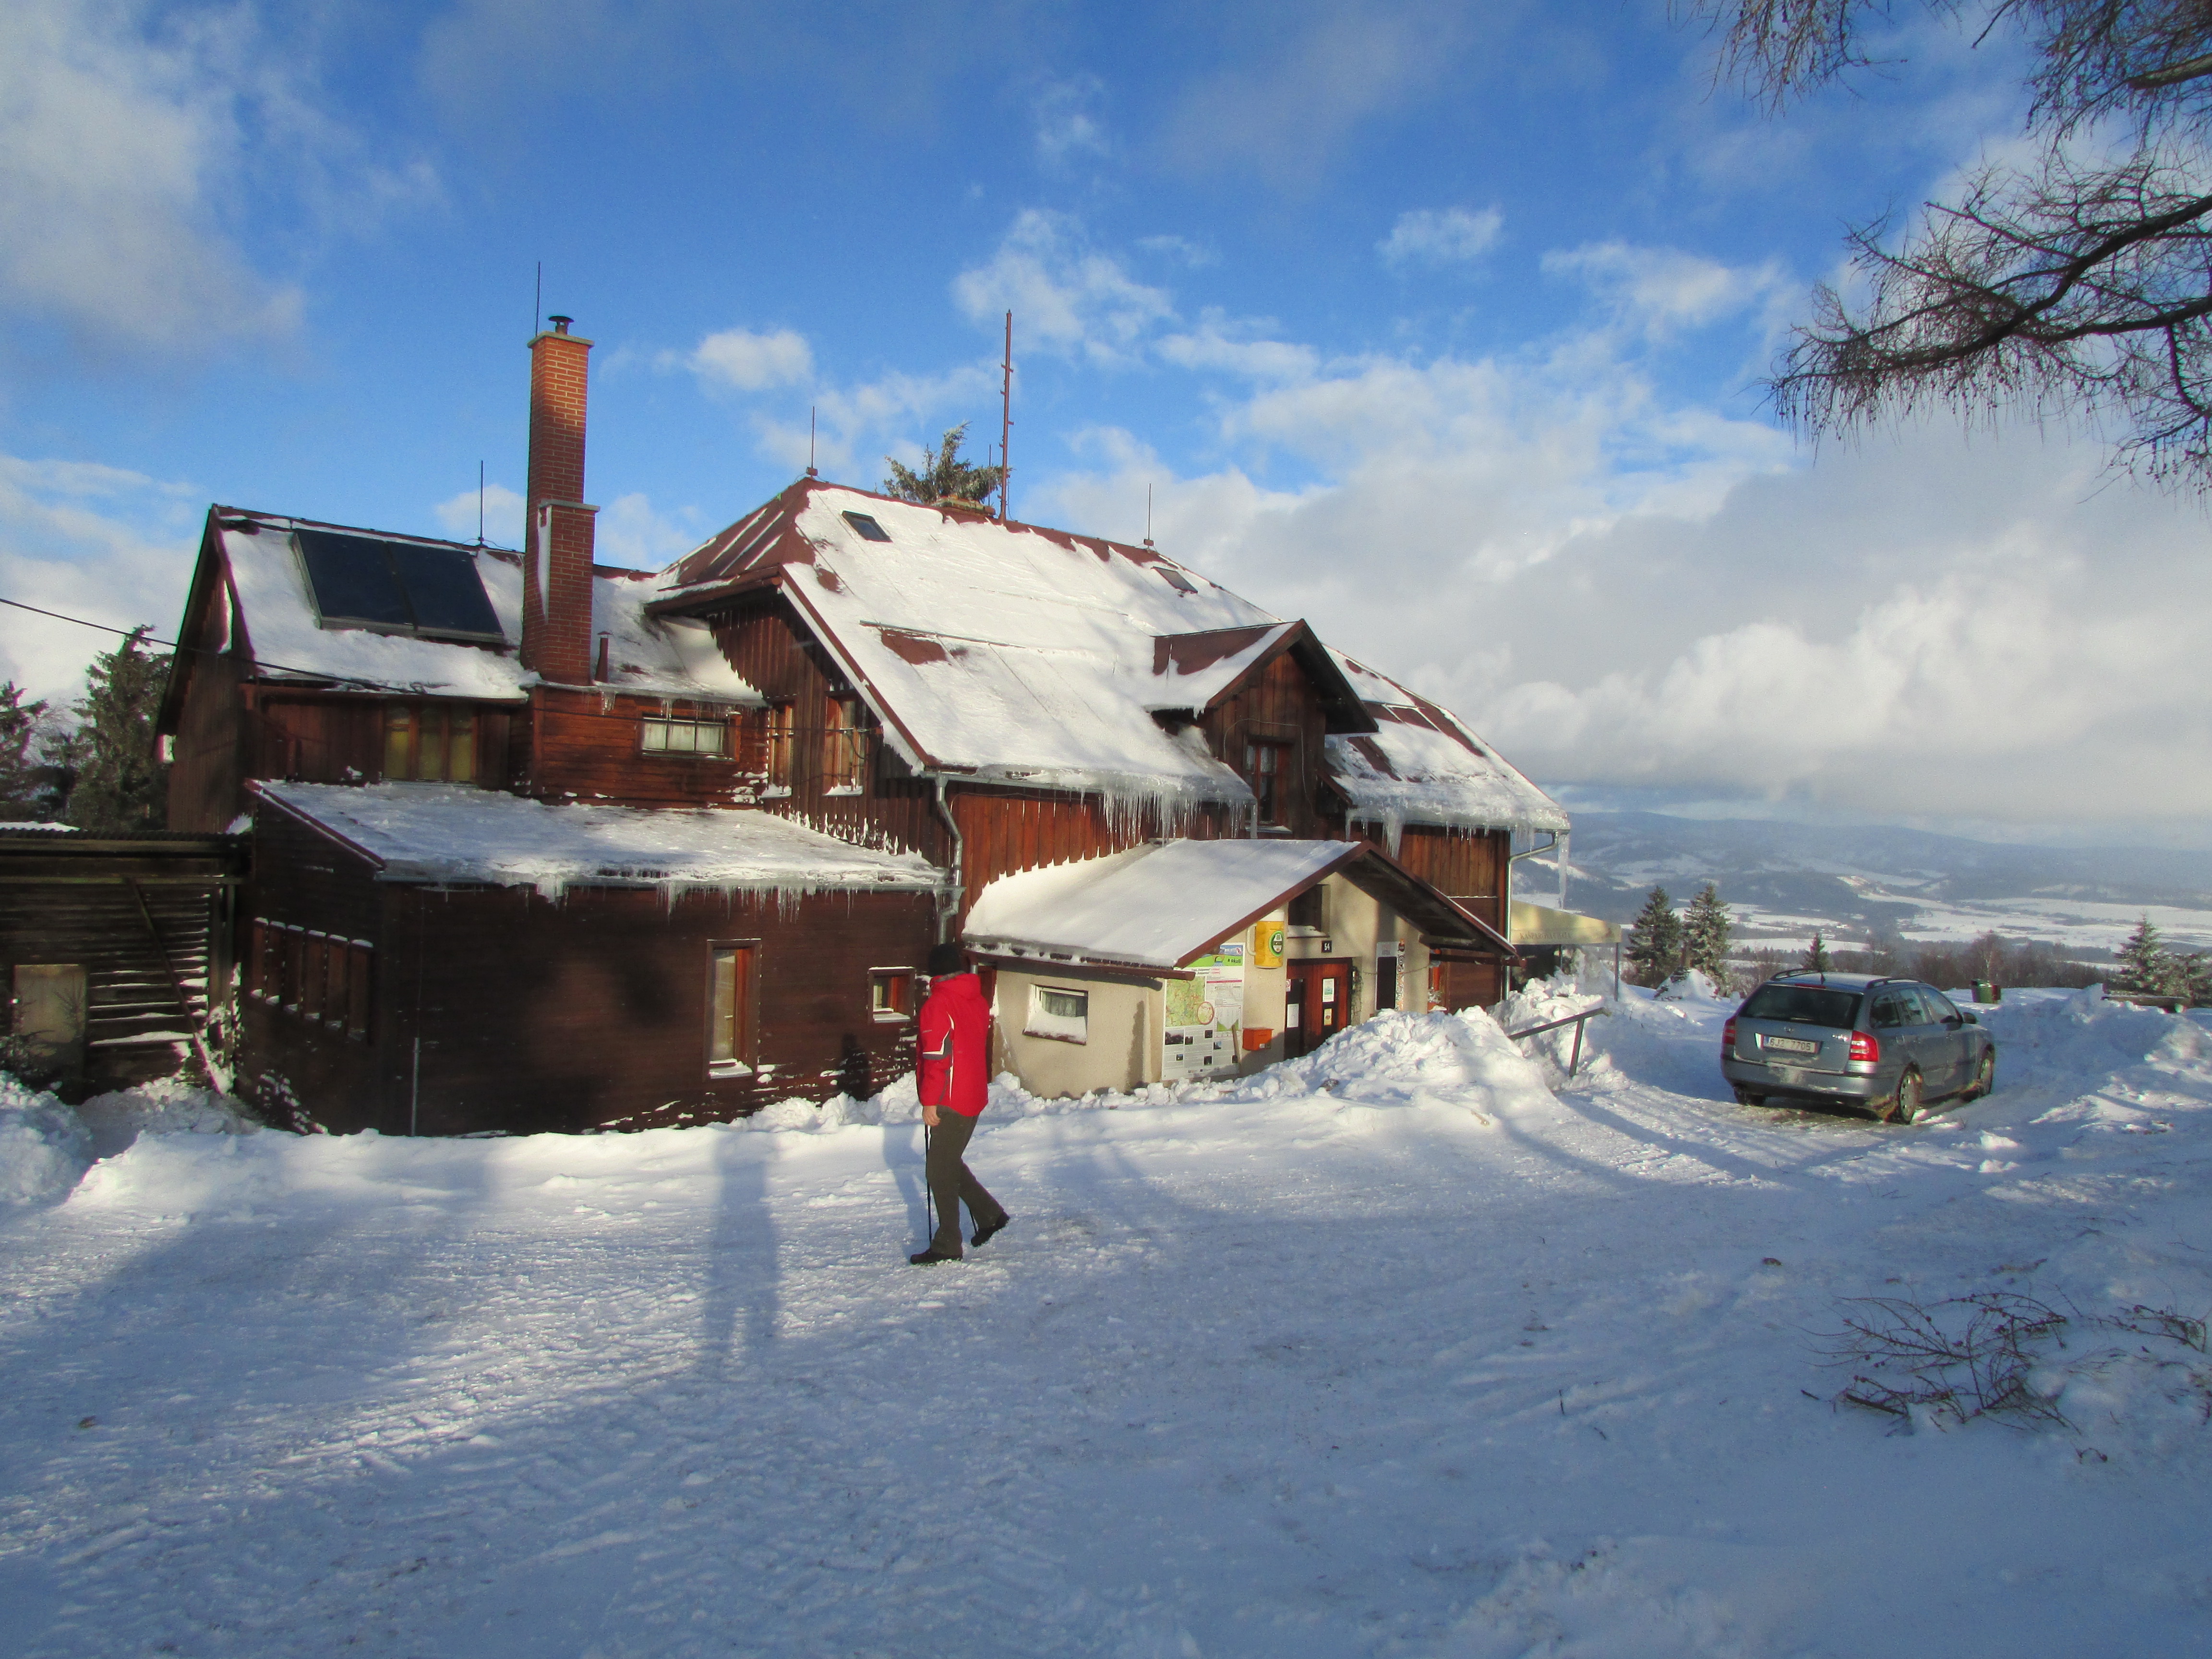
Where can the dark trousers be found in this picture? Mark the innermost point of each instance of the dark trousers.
(951, 1184)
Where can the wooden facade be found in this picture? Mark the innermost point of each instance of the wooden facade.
(148, 920)
(495, 1009)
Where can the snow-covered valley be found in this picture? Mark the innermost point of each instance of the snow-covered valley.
(1412, 1348)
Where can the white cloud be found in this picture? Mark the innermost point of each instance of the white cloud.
(1440, 236)
(1316, 79)
(855, 425)
(1619, 588)
(631, 534)
(501, 516)
(1213, 344)
(1196, 255)
(739, 358)
(1068, 125)
(1660, 290)
(100, 542)
(1065, 296)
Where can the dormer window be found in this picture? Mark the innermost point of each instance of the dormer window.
(1263, 769)
(869, 529)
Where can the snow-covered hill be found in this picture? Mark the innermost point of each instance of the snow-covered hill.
(1783, 880)
(1413, 1348)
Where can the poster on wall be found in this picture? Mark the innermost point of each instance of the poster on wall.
(1205, 1016)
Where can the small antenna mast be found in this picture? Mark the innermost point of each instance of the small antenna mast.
(1148, 515)
(811, 472)
(1005, 420)
(480, 540)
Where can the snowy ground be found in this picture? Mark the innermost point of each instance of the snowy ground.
(1393, 1351)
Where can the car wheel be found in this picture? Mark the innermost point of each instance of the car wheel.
(1985, 1076)
(1745, 1097)
(1905, 1106)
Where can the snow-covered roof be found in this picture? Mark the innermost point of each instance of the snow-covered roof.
(1005, 651)
(441, 832)
(672, 657)
(1014, 652)
(1423, 765)
(1158, 905)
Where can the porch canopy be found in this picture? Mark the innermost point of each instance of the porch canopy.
(1161, 906)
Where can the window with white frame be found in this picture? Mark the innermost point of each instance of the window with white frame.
(1060, 1013)
(666, 735)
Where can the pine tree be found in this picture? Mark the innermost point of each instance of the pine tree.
(19, 772)
(1816, 958)
(2193, 978)
(1655, 947)
(1705, 928)
(2146, 969)
(944, 475)
(120, 785)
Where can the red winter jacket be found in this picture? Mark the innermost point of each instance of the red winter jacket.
(956, 1026)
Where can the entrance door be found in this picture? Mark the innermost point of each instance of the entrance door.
(1319, 1004)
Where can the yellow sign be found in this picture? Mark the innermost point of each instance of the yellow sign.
(1268, 944)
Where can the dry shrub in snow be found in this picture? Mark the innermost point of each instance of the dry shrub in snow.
(1998, 1354)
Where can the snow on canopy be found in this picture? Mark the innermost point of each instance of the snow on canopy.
(439, 832)
(1423, 765)
(673, 659)
(1158, 905)
(1020, 654)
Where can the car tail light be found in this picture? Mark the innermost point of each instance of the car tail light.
(1863, 1047)
(1728, 1037)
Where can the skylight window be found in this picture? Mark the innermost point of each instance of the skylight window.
(1174, 579)
(396, 587)
(869, 529)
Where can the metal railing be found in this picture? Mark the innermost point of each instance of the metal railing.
(1577, 1021)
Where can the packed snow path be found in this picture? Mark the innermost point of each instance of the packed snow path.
(1390, 1353)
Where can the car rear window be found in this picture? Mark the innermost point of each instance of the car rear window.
(1807, 1004)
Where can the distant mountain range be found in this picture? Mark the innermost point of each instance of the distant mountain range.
(1781, 880)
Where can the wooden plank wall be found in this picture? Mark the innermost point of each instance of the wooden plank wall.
(208, 752)
(774, 655)
(334, 737)
(82, 910)
(1003, 832)
(1280, 703)
(1468, 865)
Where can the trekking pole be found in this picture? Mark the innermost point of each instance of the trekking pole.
(928, 1197)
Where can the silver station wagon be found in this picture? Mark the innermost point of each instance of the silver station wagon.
(1890, 1045)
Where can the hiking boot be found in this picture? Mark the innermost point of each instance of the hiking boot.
(989, 1231)
(932, 1257)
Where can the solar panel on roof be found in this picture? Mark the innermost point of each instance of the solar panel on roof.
(396, 587)
(443, 588)
(869, 529)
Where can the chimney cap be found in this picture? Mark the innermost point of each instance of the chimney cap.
(560, 324)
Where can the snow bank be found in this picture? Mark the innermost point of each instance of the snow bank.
(45, 1148)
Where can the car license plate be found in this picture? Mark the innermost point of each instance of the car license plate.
(1790, 1045)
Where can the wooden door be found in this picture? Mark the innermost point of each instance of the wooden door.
(1318, 1005)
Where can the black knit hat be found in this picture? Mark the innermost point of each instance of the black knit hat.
(946, 959)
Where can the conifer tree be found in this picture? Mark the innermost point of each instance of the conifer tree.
(2146, 969)
(19, 770)
(120, 785)
(2193, 978)
(1705, 928)
(944, 475)
(1657, 942)
(1816, 958)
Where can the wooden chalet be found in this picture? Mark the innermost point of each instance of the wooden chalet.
(538, 843)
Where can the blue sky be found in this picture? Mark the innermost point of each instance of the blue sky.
(1440, 325)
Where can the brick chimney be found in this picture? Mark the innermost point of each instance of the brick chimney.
(557, 563)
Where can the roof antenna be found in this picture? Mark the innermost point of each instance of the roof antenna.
(811, 472)
(1006, 417)
(480, 540)
(1148, 515)
(538, 302)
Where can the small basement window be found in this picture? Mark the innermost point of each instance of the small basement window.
(869, 529)
(891, 993)
(676, 736)
(1062, 1015)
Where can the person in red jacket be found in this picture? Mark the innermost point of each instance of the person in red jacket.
(955, 1031)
